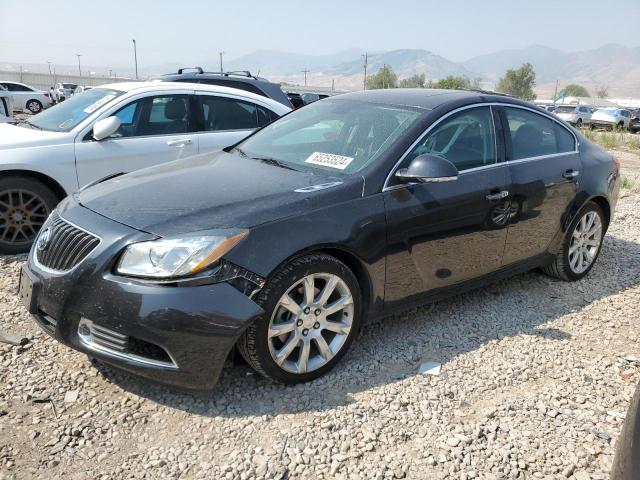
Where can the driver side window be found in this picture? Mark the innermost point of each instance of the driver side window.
(466, 139)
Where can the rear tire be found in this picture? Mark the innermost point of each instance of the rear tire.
(304, 340)
(579, 123)
(34, 106)
(25, 203)
(581, 245)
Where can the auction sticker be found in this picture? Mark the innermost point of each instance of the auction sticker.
(329, 160)
(96, 105)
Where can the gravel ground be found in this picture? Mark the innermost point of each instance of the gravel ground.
(536, 378)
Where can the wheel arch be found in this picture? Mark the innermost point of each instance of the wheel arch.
(45, 179)
(351, 260)
(603, 203)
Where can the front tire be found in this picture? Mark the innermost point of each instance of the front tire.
(581, 245)
(34, 106)
(579, 123)
(25, 204)
(313, 309)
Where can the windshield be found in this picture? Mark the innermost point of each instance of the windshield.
(335, 135)
(66, 115)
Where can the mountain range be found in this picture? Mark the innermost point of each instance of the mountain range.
(613, 66)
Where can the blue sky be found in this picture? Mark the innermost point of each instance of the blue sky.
(40, 31)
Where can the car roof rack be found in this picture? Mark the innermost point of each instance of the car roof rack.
(199, 71)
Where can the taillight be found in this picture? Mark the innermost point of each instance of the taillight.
(617, 164)
(46, 94)
(61, 90)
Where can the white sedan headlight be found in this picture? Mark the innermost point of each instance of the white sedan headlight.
(176, 257)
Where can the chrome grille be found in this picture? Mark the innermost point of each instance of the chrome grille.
(66, 245)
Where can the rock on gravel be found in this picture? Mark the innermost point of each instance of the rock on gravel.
(536, 375)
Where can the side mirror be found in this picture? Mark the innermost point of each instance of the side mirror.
(428, 168)
(105, 128)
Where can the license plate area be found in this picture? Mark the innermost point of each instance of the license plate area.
(27, 291)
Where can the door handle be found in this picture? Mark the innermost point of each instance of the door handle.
(180, 142)
(571, 174)
(498, 196)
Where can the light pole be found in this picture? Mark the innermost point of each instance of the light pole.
(366, 59)
(305, 71)
(221, 53)
(135, 56)
(79, 70)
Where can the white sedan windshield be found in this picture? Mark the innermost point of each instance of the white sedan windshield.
(66, 115)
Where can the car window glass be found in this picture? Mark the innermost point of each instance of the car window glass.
(161, 115)
(533, 135)
(221, 113)
(342, 136)
(466, 139)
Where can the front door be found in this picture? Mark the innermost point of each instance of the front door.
(441, 234)
(153, 130)
(545, 168)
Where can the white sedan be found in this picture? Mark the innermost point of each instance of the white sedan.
(113, 129)
(26, 97)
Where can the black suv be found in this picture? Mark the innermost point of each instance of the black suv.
(242, 80)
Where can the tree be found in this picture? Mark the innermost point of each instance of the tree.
(385, 78)
(602, 92)
(457, 83)
(574, 90)
(519, 82)
(416, 81)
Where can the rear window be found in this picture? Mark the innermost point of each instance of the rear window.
(534, 135)
(565, 109)
(69, 85)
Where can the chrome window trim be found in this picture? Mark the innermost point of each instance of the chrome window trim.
(391, 173)
(63, 272)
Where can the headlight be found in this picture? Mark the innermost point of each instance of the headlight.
(176, 257)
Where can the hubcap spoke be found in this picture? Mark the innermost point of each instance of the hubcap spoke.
(324, 348)
(281, 328)
(303, 362)
(338, 327)
(287, 302)
(309, 289)
(286, 349)
(337, 305)
(327, 290)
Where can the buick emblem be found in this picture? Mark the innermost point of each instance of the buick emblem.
(43, 239)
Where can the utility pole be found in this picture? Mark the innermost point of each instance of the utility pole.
(333, 84)
(305, 71)
(555, 93)
(221, 54)
(135, 56)
(366, 61)
(110, 73)
(79, 70)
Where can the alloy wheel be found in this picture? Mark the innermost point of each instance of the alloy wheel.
(310, 323)
(33, 106)
(585, 242)
(22, 214)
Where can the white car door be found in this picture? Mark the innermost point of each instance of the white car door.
(19, 93)
(155, 128)
(227, 120)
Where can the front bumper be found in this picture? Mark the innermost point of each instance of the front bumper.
(176, 335)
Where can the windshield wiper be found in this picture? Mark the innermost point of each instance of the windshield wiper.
(274, 162)
(270, 161)
(33, 126)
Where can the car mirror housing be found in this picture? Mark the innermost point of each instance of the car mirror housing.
(428, 168)
(105, 128)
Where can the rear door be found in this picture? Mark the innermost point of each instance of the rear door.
(440, 234)
(225, 120)
(155, 128)
(545, 168)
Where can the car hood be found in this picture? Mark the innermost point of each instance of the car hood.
(219, 190)
(13, 136)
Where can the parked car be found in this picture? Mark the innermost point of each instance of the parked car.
(6, 105)
(626, 463)
(576, 115)
(63, 90)
(81, 88)
(634, 121)
(295, 99)
(611, 118)
(242, 80)
(282, 244)
(108, 130)
(26, 97)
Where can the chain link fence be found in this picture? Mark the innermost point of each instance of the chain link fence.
(44, 81)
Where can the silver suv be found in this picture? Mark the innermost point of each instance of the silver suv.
(611, 118)
(63, 91)
(577, 115)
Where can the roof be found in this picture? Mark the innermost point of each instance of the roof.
(203, 87)
(425, 98)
